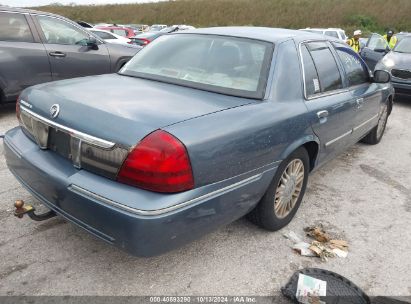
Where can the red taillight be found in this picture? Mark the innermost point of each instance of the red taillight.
(158, 163)
(18, 108)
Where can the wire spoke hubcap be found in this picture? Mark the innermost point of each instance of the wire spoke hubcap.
(289, 188)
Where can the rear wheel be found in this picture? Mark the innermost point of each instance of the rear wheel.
(375, 135)
(284, 195)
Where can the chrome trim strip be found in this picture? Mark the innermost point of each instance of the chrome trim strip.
(80, 135)
(193, 201)
(365, 122)
(338, 138)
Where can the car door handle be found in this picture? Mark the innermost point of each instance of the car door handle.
(322, 114)
(57, 54)
(360, 102)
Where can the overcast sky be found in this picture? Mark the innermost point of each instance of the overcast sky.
(23, 3)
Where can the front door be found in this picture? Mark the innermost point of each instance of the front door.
(375, 49)
(365, 93)
(68, 53)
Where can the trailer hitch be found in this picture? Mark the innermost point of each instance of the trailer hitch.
(22, 209)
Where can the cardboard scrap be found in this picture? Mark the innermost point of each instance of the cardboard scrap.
(317, 233)
(322, 246)
(303, 249)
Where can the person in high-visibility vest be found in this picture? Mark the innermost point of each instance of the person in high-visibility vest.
(354, 42)
(390, 38)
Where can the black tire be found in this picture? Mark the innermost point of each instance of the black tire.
(263, 214)
(375, 135)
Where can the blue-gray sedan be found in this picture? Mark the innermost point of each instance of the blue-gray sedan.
(199, 129)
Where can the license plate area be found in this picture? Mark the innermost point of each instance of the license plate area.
(59, 142)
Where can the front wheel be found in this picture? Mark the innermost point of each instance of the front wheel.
(284, 195)
(375, 135)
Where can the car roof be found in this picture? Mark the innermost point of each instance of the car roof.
(24, 11)
(273, 35)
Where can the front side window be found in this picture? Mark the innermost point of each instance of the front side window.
(228, 65)
(377, 42)
(60, 32)
(327, 69)
(104, 35)
(14, 27)
(356, 71)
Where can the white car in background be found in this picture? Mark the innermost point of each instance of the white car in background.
(332, 32)
(157, 27)
(110, 37)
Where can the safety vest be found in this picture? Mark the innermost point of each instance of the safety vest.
(354, 44)
(393, 41)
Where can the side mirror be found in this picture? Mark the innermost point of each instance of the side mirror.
(92, 43)
(381, 76)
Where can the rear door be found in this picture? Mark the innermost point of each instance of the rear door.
(329, 103)
(375, 49)
(23, 58)
(68, 55)
(365, 93)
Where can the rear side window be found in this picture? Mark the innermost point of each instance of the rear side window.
(327, 69)
(312, 83)
(356, 71)
(14, 27)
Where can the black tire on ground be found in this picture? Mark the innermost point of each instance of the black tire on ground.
(375, 135)
(263, 214)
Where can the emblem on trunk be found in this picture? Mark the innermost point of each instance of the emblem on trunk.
(54, 110)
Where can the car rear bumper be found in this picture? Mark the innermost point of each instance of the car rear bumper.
(401, 88)
(120, 214)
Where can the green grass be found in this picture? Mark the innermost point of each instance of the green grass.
(369, 16)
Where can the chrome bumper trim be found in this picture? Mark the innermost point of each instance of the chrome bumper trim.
(80, 135)
(84, 192)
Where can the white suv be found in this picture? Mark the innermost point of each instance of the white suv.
(332, 32)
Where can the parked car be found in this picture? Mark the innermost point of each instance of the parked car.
(398, 63)
(110, 37)
(331, 32)
(376, 48)
(37, 47)
(157, 27)
(145, 38)
(203, 130)
(118, 30)
(138, 28)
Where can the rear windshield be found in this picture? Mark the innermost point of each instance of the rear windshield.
(227, 65)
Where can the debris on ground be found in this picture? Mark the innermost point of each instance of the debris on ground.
(323, 246)
(309, 289)
(317, 233)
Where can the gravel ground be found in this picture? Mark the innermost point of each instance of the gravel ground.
(364, 196)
